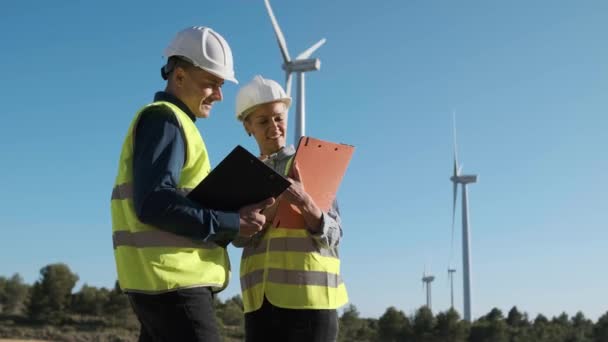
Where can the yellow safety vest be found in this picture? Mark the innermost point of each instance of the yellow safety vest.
(292, 271)
(150, 260)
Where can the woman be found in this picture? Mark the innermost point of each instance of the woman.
(290, 278)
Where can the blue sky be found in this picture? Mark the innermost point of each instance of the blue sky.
(528, 83)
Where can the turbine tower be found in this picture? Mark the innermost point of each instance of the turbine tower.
(426, 282)
(451, 276)
(300, 66)
(459, 178)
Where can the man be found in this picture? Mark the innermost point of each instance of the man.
(290, 278)
(167, 247)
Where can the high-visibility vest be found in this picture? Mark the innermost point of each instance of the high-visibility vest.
(148, 259)
(292, 271)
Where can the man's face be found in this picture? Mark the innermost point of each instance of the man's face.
(199, 90)
(268, 123)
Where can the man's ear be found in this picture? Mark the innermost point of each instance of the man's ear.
(178, 76)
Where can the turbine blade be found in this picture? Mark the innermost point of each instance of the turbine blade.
(455, 175)
(278, 32)
(455, 144)
(311, 49)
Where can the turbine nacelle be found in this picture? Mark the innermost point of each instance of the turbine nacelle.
(428, 279)
(302, 65)
(464, 179)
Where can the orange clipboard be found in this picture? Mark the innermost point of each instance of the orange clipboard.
(322, 166)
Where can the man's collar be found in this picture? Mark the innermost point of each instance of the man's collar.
(168, 97)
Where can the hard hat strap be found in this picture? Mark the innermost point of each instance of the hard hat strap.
(167, 68)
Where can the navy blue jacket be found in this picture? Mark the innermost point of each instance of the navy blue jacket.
(159, 155)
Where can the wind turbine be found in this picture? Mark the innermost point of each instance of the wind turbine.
(300, 65)
(426, 282)
(459, 178)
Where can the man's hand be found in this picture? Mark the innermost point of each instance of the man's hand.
(251, 218)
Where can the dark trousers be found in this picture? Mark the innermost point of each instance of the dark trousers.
(181, 315)
(271, 323)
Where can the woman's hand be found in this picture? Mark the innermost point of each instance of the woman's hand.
(297, 195)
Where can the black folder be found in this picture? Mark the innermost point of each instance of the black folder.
(238, 180)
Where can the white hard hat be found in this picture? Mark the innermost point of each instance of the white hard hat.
(205, 49)
(259, 91)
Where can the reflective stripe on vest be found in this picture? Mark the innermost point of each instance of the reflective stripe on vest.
(292, 271)
(149, 260)
(155, 238)
(289, 277)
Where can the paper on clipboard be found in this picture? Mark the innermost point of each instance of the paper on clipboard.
(322, 165)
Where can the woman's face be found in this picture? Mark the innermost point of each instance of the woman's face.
(268, 124)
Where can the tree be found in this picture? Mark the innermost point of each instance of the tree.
(543, 330)
(90, 300)
(515, 318)
(450, 328)
(229, 317)
(490, 328)
(118, 308)
(560, 327)
(231, 312)
(488, 331)
(579, 320)
(13, 294)
(237, 300)
(353, 328)
(424, 324)
(3, 281)
(494, 315)
(562, 320)
(582, 328)
(600, 331)
(51, 294)
(393, 325)
(518, 326)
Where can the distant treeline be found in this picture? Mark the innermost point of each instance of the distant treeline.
(49, 309)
